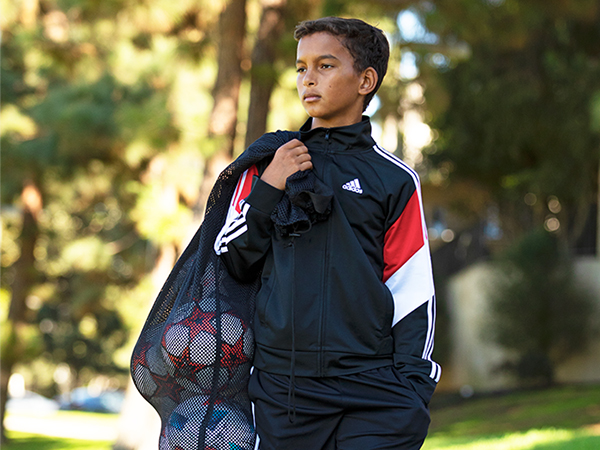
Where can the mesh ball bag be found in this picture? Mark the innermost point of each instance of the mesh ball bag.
(193, 357)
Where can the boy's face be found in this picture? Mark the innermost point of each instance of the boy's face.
(331, 90)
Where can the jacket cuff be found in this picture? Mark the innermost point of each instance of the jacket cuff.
(264, 197)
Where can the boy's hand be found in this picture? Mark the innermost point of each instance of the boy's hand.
(289, 159)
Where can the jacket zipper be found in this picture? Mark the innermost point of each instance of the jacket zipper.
(324, 304)
(324, 295)
(292, 387)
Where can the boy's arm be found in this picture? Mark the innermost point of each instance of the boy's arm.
(245, 238)
(409, 277)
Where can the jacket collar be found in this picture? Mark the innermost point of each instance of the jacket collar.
(356, 137)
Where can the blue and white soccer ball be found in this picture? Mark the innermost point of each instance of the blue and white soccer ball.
(228, 428)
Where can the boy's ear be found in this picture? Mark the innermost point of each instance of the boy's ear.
(369, 81)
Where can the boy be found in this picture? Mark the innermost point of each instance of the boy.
(345, 313)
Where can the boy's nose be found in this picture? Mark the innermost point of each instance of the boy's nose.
(309, 79)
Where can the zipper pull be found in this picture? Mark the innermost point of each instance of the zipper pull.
(292, 237)
(327, 133)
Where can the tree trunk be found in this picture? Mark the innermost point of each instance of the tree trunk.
(224, 115)
(24, 279)
(232, 31)
(598, 217)
(263, 74)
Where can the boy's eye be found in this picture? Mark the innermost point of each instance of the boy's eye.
(300, 69)
(326, 66)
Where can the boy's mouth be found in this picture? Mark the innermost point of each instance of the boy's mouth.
(310, 97)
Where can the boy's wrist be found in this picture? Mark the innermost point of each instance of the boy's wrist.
(264, 197)
(273, 181)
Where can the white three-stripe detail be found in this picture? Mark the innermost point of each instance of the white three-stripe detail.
(233, 228)
(436, 370)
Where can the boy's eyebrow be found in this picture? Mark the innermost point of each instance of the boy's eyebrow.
(319, 58)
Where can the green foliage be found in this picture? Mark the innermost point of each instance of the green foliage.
(87, 341)
(596, 112)
(21, 342)
(510, 123)
(519, 116)
(538, 313)
(81, 116)
(163, 227)
(67, 116)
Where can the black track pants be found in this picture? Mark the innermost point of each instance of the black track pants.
(373, 410)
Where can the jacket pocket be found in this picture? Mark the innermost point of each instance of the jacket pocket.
(264, 295)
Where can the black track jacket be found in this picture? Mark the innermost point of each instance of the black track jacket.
(353, 293)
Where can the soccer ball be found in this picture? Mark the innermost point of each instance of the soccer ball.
(190, 354)
(227, 429)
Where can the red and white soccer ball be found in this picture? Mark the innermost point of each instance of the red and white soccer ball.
(227, 429)
(190, 353)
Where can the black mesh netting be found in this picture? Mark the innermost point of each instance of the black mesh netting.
(193, 357)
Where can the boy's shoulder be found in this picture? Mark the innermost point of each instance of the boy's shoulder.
(390, 168)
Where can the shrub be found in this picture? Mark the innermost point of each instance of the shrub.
(538, 312)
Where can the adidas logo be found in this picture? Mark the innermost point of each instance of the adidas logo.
(353, 186)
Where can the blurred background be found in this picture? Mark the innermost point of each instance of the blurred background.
(117, 116)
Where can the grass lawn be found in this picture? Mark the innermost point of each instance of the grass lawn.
(542, 439)
(26, 441)
(562, 418)
(68, 430)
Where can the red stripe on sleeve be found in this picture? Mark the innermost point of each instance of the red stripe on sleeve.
(244, 187)
(403, 239)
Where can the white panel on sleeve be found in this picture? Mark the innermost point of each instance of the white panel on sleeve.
(412, 284)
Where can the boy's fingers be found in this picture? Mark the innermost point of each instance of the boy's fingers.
(292, 150)
(294, 144)
(290, 158)
(303, 157)
(303, 161)
(306, 165)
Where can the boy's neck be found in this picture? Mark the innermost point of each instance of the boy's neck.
(319, 123)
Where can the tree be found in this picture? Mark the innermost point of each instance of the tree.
(16, 333)
(66, 121)
(517, 119)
